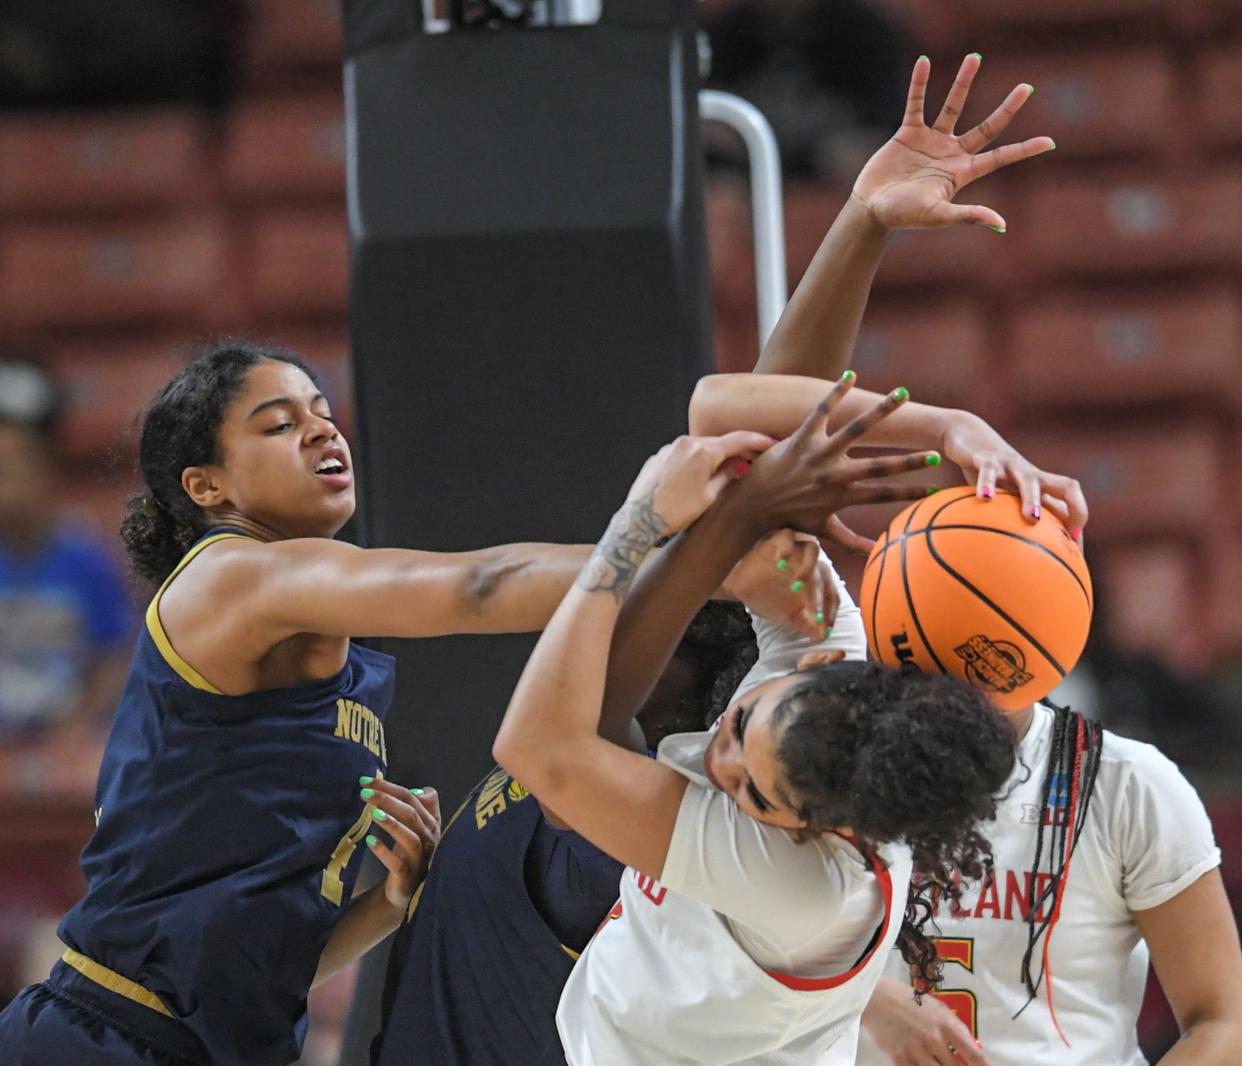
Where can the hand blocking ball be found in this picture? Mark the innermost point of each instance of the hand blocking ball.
(970, 587)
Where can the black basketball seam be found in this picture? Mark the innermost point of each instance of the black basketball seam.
(995, 607)
(875, 600)
(999, 532)
(914, 615)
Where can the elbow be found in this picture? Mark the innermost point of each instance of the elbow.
(705, 403)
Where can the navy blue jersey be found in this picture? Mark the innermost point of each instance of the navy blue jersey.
(475, 976)
(227, 840)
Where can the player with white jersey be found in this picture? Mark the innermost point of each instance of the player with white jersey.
(1047, 961)
(765, 858)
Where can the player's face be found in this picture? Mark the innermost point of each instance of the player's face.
(285, 465)
(742, 758)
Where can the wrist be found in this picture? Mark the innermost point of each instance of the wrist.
(860, 216)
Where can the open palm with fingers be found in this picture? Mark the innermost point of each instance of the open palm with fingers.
(911, 182)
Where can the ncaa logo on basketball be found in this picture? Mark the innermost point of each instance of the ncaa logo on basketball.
(995, 665)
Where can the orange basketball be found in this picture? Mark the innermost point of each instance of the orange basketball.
(970, 587)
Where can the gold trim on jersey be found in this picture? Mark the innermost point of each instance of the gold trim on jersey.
(114, 982)
(156, 628)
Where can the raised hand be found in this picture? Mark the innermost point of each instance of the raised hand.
(911, 182)
(802, 481)
(987, 459)
(784, 579)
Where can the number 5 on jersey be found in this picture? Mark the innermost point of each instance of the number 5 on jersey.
(962, 1002)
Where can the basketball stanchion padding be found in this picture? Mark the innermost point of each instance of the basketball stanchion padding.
(974, 588)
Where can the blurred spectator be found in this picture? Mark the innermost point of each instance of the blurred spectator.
(830, 75)
(99, 53)
(65, 618)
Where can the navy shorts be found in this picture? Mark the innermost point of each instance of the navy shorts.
(68, 1020)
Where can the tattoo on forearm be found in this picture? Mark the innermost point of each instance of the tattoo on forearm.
(617, 557)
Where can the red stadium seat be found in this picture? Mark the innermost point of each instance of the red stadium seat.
(809, 211)
(1009, 16)
(96, 498)
(293, 33)
(106, 386)
(284, 148)
(1130, 579)
(940, 354)
(1144, 480)
(1072, 350)
(110, 273)
(1224, 606)
(1123, 225)
(300, 264)
(89, 162)
(1098, 103)
(1219, 87)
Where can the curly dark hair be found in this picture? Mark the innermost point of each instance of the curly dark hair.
(716, 651)
(180, 428)
(899, 756)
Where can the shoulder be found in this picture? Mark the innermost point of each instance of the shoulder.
(1130, 763)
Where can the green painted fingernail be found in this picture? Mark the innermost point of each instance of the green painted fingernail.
(819, 617)
(827, 632)
(997, 229)
(367, 793)
(933, 459)
(781, 564)
(372, 840)
(797, 586)
(901, 393)
(1054, 144)
(378, 815)
(1030, 88)
(932, 490)
(922, 55)
(417, 791)
(849, 375)
(364, 780)
(977, 55)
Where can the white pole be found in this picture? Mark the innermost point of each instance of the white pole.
(771, 286)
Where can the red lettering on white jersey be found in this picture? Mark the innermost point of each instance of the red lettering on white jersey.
(651, 888)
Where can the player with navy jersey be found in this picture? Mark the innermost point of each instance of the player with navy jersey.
(244, 767)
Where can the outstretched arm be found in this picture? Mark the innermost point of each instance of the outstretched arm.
(776, 404)
(910, 183)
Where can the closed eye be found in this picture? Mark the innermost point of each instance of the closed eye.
(279, 429)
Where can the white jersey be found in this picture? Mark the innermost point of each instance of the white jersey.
(1146, 839)
(753, 948)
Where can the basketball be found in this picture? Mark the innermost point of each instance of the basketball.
(971, 587)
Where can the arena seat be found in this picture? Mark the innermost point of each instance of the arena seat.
(995, 17)
(1081, 349)
(285, 148)
(95, 497)
(101, 161)
(1122, 225)
(106, 385)
(1104, 102)
(1224, 608)
(939, 353)
(1144, 479)
(293, 33)
(299, 264)
(1218, 81)
(1130, 578)
(110, 273)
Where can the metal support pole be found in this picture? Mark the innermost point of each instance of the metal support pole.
(771, 286)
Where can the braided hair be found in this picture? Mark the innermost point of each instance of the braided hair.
(1065, 799)
(899, 756)
(181, 429)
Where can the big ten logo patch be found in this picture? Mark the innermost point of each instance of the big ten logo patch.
(1056, 810)
(498, 791)
(651, 888)
(993, 664)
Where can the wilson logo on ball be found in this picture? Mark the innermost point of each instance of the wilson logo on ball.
(994, 664)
